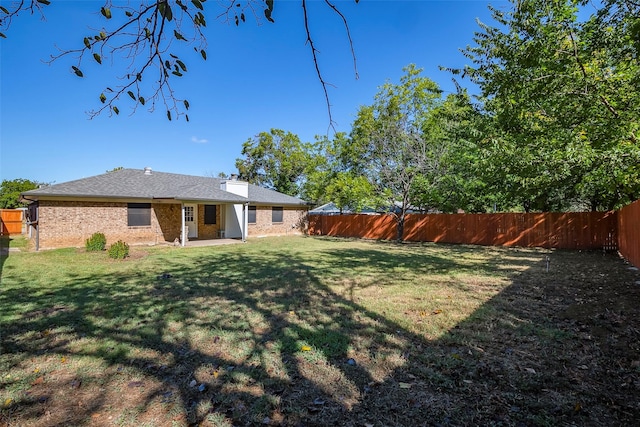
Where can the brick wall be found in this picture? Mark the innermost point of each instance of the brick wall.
(69, 224)
(208, 231)
(294, 221)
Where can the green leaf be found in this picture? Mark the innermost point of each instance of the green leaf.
(3, 36)
(204, 54)
(181, 64)
(131, 95)
(128, 13)
(77, 71)
(115, 110)
(242, 17)
(197, 4)
(178, 35)
(269, 10)
(45, 2)
(142, 101)
(267, 14)
(87, 43)
(199, 19)
(186, 104)
(165, 10)
(106, 12)
(169, 115)
(103, 98)
(97, 58)
(4, 9)
(177, 73)
(186, 116)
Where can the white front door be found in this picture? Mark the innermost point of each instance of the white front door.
(191, 219)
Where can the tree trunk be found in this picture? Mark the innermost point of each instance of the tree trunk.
(400, 228)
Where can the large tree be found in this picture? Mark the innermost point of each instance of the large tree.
(148, 39)
(276, 159)
(402, 140)
(10, 192)
(565, 99)
(335, 174)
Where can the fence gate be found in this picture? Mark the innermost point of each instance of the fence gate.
(11, 221)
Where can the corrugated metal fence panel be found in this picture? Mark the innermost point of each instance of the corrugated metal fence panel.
(11, 221)
(575, 230)
(629, 232)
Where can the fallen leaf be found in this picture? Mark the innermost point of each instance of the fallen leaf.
(436, 311)
(305, 348)
(38, 380)
(530, 370)
(404, 385)
(8, 402)
(63, 359)
(318, 401)
(193, 383)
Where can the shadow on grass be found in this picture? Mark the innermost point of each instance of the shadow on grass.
(250, 338)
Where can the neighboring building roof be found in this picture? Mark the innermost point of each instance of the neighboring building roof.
(136, 184)
(331, 209)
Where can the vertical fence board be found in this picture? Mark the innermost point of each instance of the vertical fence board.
(629, 232)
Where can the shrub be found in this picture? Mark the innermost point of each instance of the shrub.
(96, 242)
(119, 250)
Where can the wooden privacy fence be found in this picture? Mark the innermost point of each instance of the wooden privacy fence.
(629, 232)
(11, 220)
(575, 230)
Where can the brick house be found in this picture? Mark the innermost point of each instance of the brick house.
(148, 207)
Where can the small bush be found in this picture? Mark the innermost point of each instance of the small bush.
(119, 250)
(96, 242)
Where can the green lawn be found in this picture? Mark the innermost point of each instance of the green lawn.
(293, 331)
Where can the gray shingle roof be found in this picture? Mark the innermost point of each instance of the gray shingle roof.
(135, 184)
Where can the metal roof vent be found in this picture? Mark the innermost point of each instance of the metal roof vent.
(147, 170)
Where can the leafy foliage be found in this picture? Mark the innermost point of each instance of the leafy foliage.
(563, 96)
(118, 250)
(10, 192)
(97, 242)
(275, 160)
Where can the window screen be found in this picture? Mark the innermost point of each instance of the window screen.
(276, 214)
(138, 214)
(252, 215)
(209, 214)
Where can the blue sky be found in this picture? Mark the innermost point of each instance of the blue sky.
(257, 77)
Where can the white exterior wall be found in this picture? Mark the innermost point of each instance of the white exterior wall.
(234, 216)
